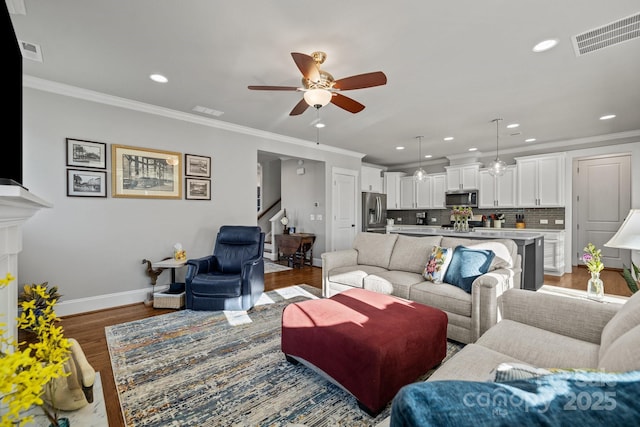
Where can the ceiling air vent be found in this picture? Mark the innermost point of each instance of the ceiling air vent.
(30, 51)
(617, 32)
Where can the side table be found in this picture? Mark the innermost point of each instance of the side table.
(174, 296)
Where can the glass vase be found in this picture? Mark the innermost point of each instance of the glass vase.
(595, 287)
(62, 422)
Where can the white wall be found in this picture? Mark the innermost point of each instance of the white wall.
(300, 193)
(92, 248)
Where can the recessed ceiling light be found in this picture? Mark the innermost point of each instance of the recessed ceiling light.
(473, 149)
(545, 45)
(400, 148)
(529, 140)
(319, 125)
(428, 156)
(449, 138)
(513, 125)
(607, 117)
(158, 78)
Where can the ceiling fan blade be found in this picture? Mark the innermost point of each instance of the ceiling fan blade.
(361, 81)
(273, 87)
(346, 103)
(307, 66)
(300, 108)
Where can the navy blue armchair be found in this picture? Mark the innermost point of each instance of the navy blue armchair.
(233, 277)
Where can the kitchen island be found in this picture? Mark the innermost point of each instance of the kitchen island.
(530, 246)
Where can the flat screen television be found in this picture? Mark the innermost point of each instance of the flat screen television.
(11, 169)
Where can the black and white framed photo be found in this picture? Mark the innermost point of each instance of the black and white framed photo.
(86, 154)
(198, 189)
(85, 183)
(197, 165)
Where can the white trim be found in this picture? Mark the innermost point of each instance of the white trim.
(101, 302)
(101, 98)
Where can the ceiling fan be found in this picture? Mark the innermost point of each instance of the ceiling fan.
(320, 87)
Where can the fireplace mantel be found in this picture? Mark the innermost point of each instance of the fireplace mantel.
(17, 205)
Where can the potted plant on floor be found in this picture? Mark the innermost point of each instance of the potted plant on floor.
(28, 372)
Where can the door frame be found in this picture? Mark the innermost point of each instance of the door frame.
(574, 206)
(356, 193)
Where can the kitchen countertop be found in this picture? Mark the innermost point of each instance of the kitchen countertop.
(480, 232)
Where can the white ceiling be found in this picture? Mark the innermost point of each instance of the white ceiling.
(452, 67)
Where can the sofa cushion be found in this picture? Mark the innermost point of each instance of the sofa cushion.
(466, 265)
(622, 355)
(374, 248)
(539, 347)
(437, 264)
(446, 297)
(411, 253)
(624, 320)
(473, 363)
(393, 282)
(602, 399)
(506, 250)
(352, 275)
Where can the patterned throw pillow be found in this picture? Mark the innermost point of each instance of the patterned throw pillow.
(437, 264)
(516, 371)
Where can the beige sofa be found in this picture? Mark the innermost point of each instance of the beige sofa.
(552, 331)
(393, 264)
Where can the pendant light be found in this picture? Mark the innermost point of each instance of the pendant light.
(497, 166)
(420, 174)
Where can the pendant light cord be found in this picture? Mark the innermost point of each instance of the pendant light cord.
(419, 151)
(497, 137)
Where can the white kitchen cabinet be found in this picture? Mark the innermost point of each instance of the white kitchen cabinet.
(371, 179)
(540, 181)
(463, 177)
(438, 188)
(498, 191)
(554, 252)
(392, 188)
(415, 194)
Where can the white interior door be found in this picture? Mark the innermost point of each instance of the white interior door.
(603, 200)
(345, 207)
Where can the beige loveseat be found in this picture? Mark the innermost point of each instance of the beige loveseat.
(552, 331)
(393, 264)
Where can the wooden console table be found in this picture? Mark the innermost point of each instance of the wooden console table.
(296, 248)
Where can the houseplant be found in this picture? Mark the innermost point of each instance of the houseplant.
(592, 259)
(632, 283)
(28, 372)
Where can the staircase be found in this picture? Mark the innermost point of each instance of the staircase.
(269, 248)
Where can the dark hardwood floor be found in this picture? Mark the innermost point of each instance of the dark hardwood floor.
(88, 328)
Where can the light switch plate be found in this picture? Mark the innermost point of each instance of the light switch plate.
(312, 217)
(319, 217)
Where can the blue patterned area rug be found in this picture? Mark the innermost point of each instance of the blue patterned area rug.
(191, 368)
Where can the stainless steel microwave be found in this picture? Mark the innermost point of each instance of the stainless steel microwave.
(461, 198)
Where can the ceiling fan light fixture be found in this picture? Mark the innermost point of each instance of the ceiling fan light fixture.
(317, 97)
(497, 167)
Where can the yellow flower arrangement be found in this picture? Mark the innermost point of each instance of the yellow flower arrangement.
(26, 374)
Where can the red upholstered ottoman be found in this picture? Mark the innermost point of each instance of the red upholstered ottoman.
(370, 343)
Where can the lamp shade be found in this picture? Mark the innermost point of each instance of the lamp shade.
(628, 235)
(315, 97)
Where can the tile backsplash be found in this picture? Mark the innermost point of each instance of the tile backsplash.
(532, 216)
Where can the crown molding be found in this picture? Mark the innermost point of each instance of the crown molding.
(115, 101)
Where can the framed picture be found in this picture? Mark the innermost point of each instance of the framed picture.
(145, 173)
(197, 165)
(85, 183)
(86, 154)
(198, 189)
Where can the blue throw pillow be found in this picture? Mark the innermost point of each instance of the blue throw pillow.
(467, 264)
(569, 399)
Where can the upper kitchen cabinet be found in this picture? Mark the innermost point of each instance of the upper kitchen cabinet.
(371, 179)
(497, 191)
(540, 181)
(392, 188)
(438, 188)
(415, 194)
(463, 177)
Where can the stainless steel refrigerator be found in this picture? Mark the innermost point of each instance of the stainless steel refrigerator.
(374, 212)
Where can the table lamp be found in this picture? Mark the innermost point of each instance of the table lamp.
(628, 237)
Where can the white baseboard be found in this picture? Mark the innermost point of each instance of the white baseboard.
(101, 302)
